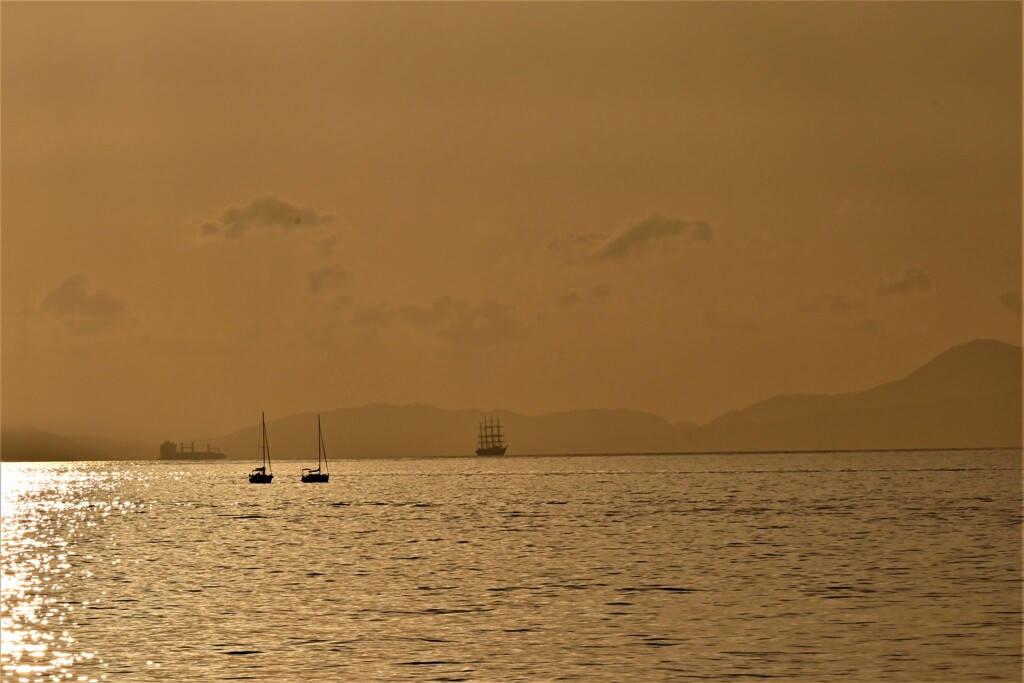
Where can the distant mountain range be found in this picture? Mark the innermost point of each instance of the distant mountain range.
(967, 397)
(34, 444)
(415, 430)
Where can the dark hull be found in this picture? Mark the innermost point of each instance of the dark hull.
(493, 450)
(194, 456)
(260, 478)
(314, 476)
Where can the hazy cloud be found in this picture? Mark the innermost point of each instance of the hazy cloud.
(416, 316)
(830, 303)
(655, 230)
(488, 324)
(328, 277)
(419, 316)
(264, 212)
(1010, 300)
(572, 298)
(325, 247)
(575, 246)
(209, 230)
(717, 319)
(81, 312)
(912, 279)
(457, 321)
(372, 315)
(868, 326)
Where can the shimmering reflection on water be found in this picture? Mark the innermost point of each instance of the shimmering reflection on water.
(869, 567)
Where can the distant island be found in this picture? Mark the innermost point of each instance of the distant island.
(966, 397)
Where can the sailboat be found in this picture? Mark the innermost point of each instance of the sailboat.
(490, 440)
(263, 474)
(311, 476)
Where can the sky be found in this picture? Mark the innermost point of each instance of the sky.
(215, 209)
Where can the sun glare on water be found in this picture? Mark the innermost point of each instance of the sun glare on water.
(36, 619)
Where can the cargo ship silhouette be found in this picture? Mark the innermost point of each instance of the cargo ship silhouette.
(187, 451)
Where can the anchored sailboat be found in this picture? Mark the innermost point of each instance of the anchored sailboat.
(311, 476)
(491, 441)
(263, 474)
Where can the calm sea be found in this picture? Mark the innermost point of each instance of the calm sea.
(825, 567)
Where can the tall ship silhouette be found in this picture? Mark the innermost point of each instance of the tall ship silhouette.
(491, 440)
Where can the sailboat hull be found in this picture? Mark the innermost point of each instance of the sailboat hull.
(493, 450)
(259, 478)
(315, 478)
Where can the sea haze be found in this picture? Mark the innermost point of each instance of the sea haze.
(966, 397)
(812, 567)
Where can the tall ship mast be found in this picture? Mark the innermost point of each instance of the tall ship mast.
(491, 441)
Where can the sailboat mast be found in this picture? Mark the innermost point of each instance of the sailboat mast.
(320, 449)
(266, 444)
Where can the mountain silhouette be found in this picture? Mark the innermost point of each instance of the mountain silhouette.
(34, 444)
(381, 430)
(966, 397)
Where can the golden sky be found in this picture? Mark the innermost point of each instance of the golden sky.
(213, 209)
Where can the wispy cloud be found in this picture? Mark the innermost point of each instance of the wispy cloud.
(575, 246)
(867, 326)
(1010, 300)
(81, 312)
(912, 279)
(486, 324)
(328, 277)
(654, 232)
(326, 246)
(262, 213)
(831, 303)
(717, 319)
(573, 298)
(417, 316)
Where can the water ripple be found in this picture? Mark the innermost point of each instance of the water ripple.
(853, 567)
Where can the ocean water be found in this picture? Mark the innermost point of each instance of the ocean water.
(820, 567)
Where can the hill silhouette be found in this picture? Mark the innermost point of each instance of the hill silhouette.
(381, 430)
(37, 445)
(966, 397)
